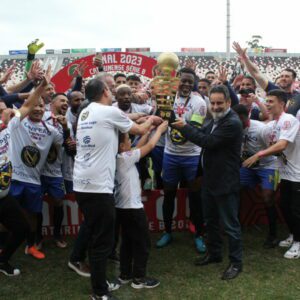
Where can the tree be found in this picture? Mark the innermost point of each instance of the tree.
(254, 43)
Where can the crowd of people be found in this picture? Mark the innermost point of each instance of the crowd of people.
(96, 140)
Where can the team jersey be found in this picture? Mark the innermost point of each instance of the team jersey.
(53, 164)
(128, 188)
(5, 164)
(97, 147)
(286, 128)
(192, 109)
(29, 150)
(254, 141)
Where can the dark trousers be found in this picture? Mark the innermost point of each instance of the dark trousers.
(196, 213)
(290, 206)
(13, 218)
(81, 244)
(223, 209)
(99, 215)
(135, 245)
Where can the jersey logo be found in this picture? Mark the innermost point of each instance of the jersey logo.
(286, 125)
(30, 156)
(84, 116)
(86, 140)
(5, 176)
(52, 155)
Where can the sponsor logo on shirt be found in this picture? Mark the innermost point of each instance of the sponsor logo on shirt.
(84, 116)
(86, 140)
(30, 156)
(286, 125)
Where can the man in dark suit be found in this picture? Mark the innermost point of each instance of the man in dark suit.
(220, 139)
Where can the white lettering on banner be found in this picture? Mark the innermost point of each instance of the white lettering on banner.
(151, 226)
(133, 69)
(66, 230)
(93, 71)
(109, 59)
(131, 59)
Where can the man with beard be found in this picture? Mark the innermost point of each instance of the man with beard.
(285, 81)
(49, 91)
(221, 141)
(75, 100)
(52, 178)
(181, 157)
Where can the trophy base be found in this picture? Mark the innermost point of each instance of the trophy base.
(166, 114)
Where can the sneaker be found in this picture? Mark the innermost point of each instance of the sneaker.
(165, 240)
(293, 252)
(270, 242)
(287, 242)
(104, 297)
(81, 268)
(9, 270)
(148, 283)
(113, 285)
(34, 252)
(61, 244)
(148, 184)
(124, 279)
(200, 245)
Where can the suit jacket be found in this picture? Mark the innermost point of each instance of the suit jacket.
(221, 149)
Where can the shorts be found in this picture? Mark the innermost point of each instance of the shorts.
(157, 155)
(265, 177)
(68, 186)
(177, 168)
(29, 195)
(53, 186)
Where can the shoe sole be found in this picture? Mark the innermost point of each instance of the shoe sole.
(9, 275)
(292, 257)
(138, 287)
(285, 246)
(72, 267)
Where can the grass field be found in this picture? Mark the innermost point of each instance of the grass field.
(266, 275)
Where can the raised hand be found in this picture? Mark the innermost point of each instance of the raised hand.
(242, 52)
(223, 74)
(191, 64)
(8, 73)
(35, 72)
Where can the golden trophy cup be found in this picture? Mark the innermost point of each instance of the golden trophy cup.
(165, 85)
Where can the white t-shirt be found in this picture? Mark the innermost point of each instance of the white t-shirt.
(254, 141)
(53, 164)
(29, 150)
(195, 106)
(5, 164)
(97, 147)
(128, 186)
(286, 128)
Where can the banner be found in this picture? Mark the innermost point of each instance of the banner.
(17, 52)
(252, 212)
(111, 49)
(49, 51)
(112, 62)
(275, 50)
(66, 50)
(83, 50)
(192, 50)
(137, 50)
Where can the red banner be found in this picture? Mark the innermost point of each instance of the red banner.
(114, 62)
(252, 212)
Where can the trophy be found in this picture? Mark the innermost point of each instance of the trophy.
(165, 86)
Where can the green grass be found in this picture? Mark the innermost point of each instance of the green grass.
(266, 275)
